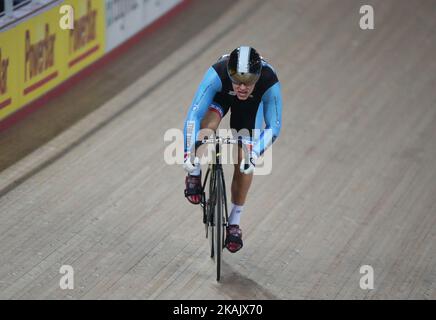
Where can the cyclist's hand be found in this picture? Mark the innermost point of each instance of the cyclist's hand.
(248, 168)
(191, 168)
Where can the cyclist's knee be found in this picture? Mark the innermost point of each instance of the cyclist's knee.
(210, 121)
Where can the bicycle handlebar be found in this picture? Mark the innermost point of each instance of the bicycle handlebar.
(219, 140)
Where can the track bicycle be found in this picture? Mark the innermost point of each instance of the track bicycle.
(214, 204)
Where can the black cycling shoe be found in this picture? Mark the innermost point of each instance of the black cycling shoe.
(234, 238)
(193, 191)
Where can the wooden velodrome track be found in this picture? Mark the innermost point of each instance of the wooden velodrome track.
(353, 181)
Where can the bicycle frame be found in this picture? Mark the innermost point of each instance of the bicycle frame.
(216, 166)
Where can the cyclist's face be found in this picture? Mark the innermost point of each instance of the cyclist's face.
(243, 91)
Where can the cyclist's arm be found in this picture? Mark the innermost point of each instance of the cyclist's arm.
(203, 98)
(272, 112)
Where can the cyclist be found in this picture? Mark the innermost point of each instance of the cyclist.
(244, 83)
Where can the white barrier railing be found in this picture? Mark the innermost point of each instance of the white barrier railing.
(15, 11)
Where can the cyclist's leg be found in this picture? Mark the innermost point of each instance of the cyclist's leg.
(209, 124)
(211, 120)
(243, 120)
(240, 183)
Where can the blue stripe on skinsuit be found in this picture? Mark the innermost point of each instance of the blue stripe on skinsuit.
(272, 112)
(203, 98)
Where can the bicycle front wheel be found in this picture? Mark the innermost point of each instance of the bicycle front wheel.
(219, 224)
(210, 212)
